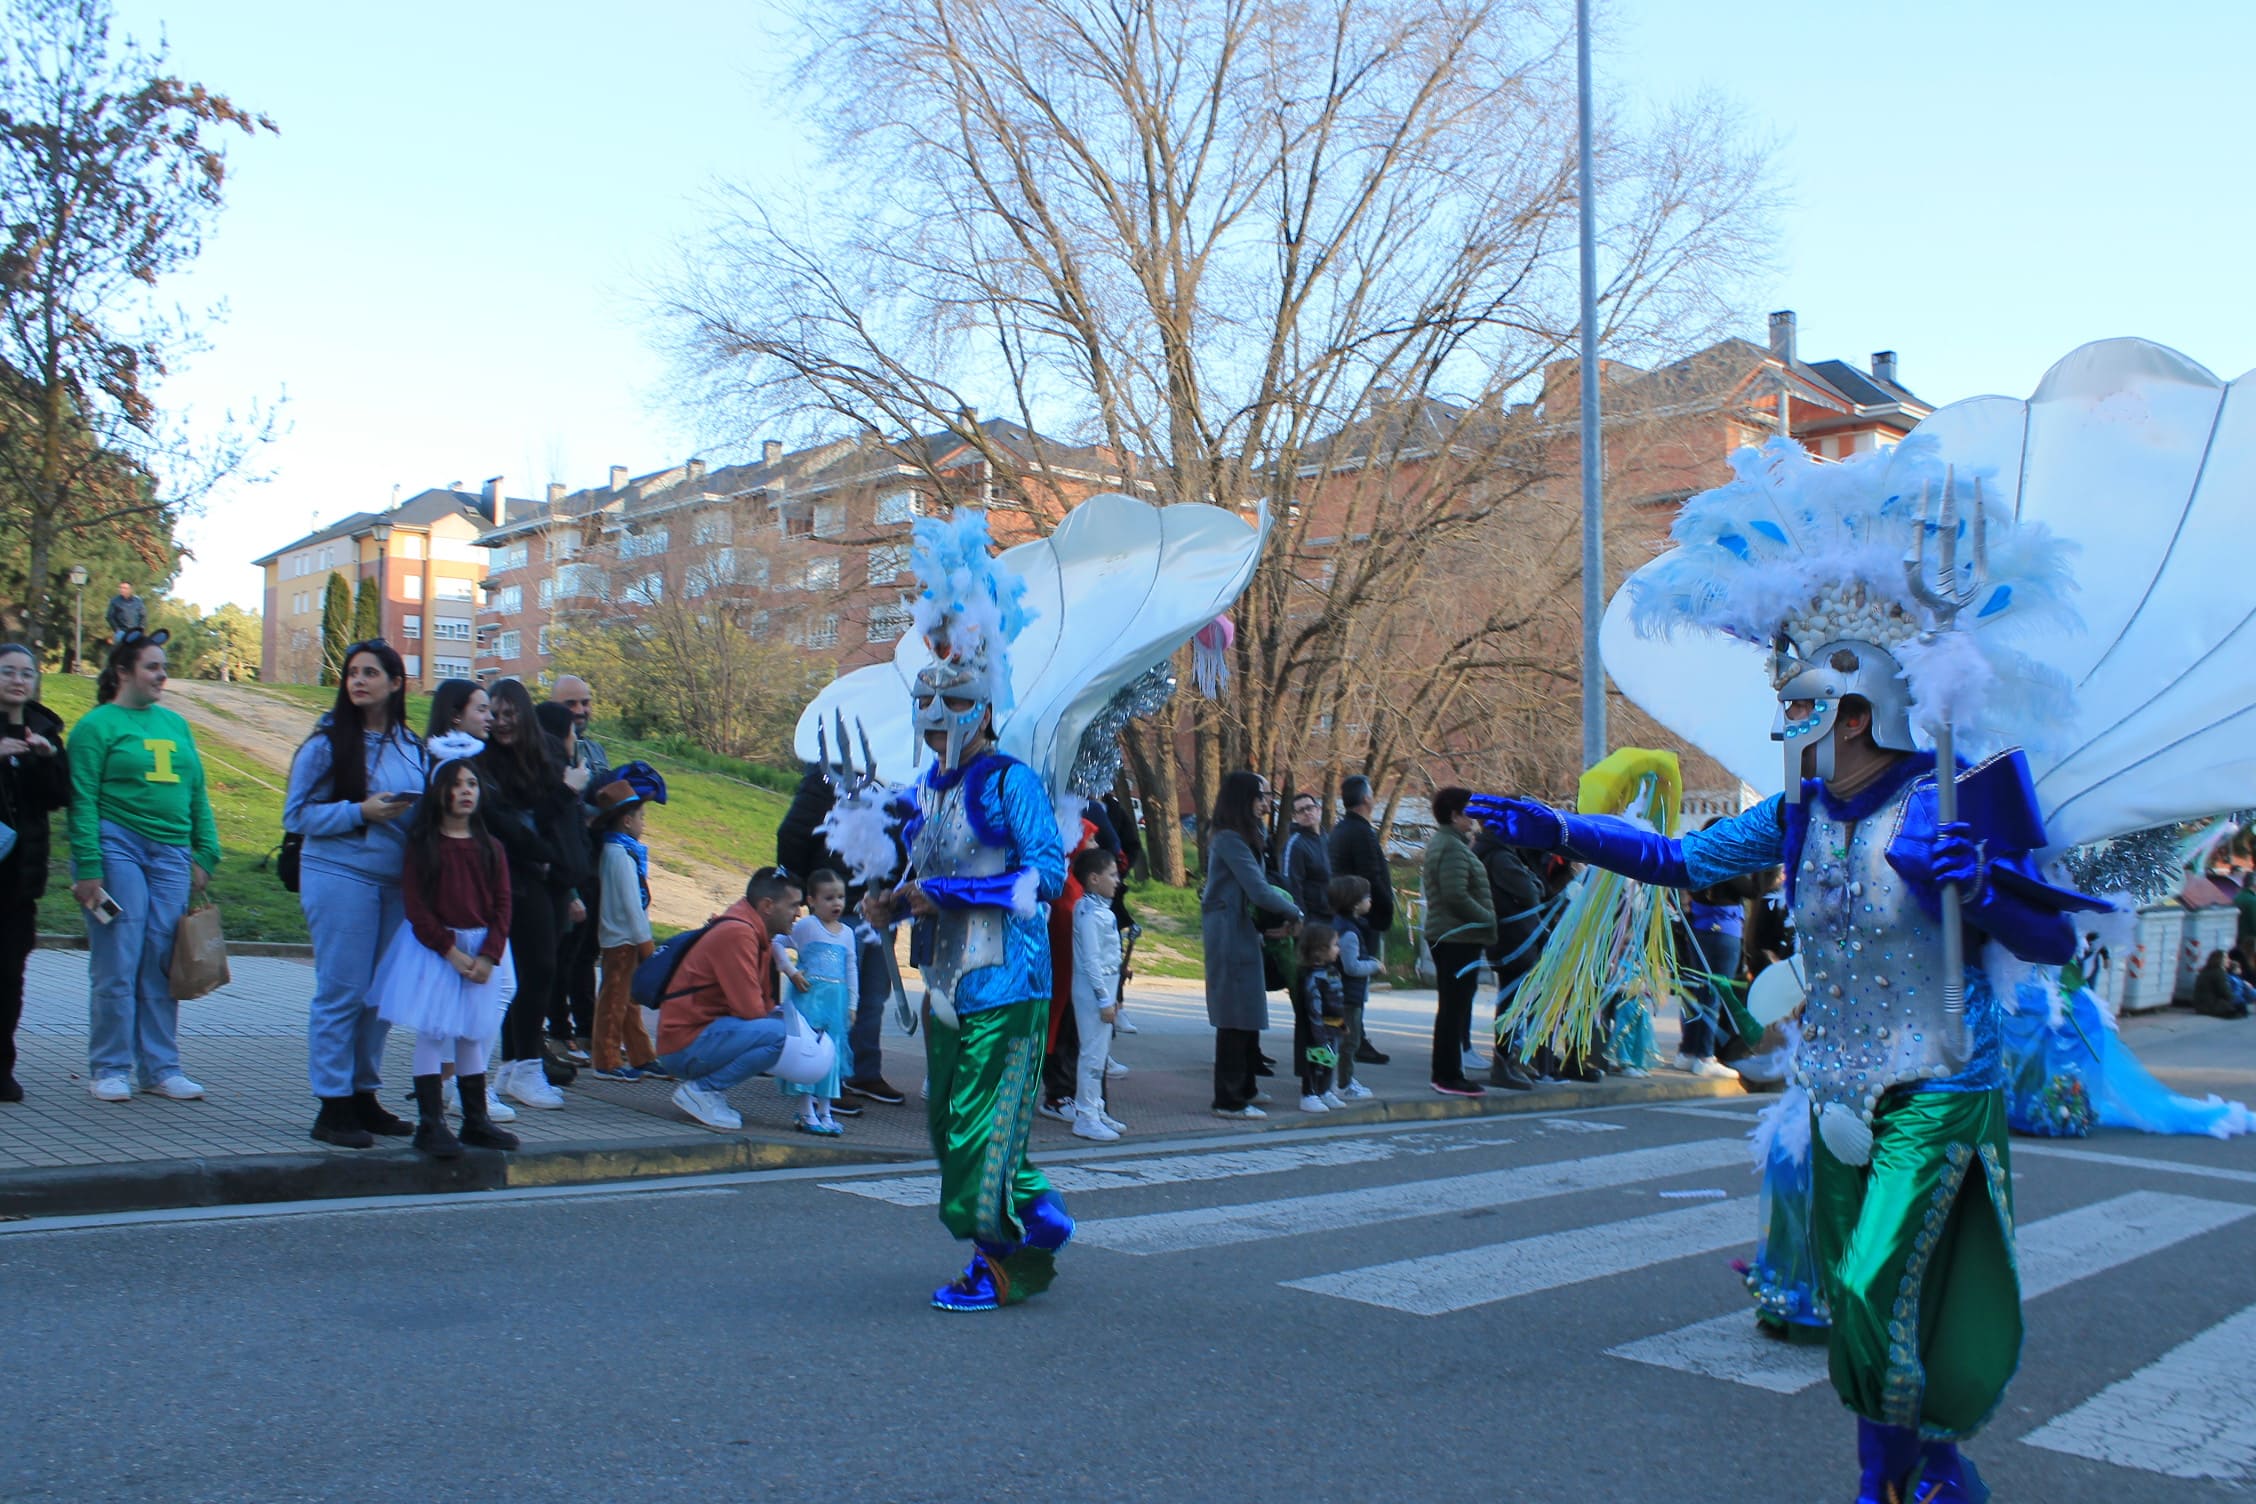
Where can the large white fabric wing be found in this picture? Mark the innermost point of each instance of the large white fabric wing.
(2146, 462)
(1114, 591)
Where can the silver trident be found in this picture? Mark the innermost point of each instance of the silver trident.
(1945, 591)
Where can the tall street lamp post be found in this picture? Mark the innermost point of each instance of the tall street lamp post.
(78, 619)
(382, 532)
(1593, 452)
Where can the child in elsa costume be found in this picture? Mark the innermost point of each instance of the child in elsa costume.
(822, 982)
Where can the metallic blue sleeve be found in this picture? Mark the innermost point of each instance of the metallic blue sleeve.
(1033, 825)
(1749, 841)
(1615, 844)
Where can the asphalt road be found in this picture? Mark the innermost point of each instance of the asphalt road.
(1428, 1312)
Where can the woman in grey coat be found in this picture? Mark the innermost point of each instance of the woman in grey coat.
(1237, 891)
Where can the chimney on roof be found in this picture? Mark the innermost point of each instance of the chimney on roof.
(496, 507)
(970, 416)
(1782, 335)
(696, 471)
(555, 493)
(1884, 366)
(618, 477)
(771, 451)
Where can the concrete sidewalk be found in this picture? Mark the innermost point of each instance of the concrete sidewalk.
(62, 1152)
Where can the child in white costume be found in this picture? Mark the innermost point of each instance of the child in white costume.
(821, 989)
(1096, 985)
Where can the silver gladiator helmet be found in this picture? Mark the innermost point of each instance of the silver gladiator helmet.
(1844, 667)
(955, 696)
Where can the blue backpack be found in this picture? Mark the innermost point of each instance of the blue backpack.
(654, 975)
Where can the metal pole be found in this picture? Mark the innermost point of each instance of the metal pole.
(1593, 456)
(78, 633)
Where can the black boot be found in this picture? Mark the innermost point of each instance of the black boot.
(1508, 1073)
(432, 1135)
(478, 1130)
(377, 1119)
(1368, 1053)
(339, 1124)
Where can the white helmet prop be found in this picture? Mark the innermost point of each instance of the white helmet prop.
(970, 611)
(807, 1056)
(1826, 565)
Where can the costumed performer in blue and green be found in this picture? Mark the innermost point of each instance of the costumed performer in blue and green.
(984, 863)
(1848, 574)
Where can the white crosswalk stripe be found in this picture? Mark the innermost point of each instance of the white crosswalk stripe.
(1245, 1222)
(2186, 1414)
(1167, 1169)
(2053, 1252)
(1443, 1282)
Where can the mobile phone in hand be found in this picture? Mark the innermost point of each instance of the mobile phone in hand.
(399, 798)
(105, 907)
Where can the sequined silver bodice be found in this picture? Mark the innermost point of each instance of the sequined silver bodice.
(964, 940)
(1874, 963)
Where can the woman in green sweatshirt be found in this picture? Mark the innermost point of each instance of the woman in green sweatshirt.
(142, 840)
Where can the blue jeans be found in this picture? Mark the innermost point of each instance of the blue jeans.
(872, 985)
(352, 919)
(728, 1051)
(133, 1020)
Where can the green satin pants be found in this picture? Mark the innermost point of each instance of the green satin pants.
(1916, 1251)
(984, 1079)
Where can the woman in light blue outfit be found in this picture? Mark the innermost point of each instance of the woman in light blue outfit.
(352, 786)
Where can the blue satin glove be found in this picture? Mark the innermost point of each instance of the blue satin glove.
(1519, 822)
(1956, 857)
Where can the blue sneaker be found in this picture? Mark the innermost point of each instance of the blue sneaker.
(981, 1287)
(623, 1073)
(1946, 1477)
(1886, 1456)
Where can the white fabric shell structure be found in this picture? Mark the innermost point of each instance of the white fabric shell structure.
(2146, 463)
(1112, 592)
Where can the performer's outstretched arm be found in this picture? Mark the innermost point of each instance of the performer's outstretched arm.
(1747, 842)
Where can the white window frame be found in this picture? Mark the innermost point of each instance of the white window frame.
(902, 505)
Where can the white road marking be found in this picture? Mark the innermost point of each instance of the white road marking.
(2186, 1414)
(1745, 1115)
(2054, 1252)
(2131, 1162)
(1173, 1169)
(1246, 1222)
(1444, 1282)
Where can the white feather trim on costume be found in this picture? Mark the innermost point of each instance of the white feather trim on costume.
(860, 829)
(1782, 1130)
(1069, 808)
(1025, 893)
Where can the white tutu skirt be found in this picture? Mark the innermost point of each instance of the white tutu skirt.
(416, 989)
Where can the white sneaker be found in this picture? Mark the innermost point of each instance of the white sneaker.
(1239, 1112)
(1474, 1065)
(1114, 1070)
(111, 1089)
(1089, 1125)
(1060, 1111)
(528, 1083)
(707, 1106)
(1262, 1099)
(1355, 1091)
(497, 1110)
(176, 1086)
(1313, 1104)
(1334, 1099)
(1113, 1123)
(1123, 1024)
(1707, 1068)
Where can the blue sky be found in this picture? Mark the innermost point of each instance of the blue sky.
(442, 259)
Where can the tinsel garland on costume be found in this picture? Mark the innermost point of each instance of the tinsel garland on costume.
(2149, 864)
(1096, 763)
(1613, 953)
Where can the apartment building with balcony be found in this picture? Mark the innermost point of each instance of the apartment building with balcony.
(809, 545)
(424, 552)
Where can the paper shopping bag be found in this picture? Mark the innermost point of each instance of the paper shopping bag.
(199, 954)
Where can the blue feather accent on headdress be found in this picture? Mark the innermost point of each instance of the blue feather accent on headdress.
(972, 606)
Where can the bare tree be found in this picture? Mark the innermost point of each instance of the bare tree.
(1264, 252)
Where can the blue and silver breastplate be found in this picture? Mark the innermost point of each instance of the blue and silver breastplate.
(963, 940)
(1874, 963)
